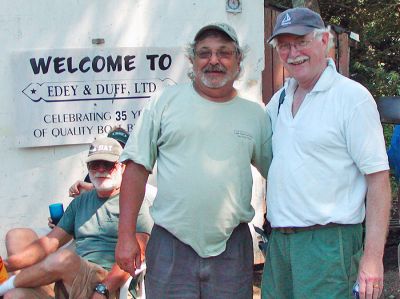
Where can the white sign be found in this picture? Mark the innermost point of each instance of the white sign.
(70, 96)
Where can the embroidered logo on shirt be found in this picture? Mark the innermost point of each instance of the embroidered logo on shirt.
(243, 134)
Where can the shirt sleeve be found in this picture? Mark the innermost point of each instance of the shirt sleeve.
(67, 221)
(142, 143)
(364, 137)
(263, 153)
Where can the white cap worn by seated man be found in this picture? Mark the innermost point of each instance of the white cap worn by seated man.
(104, 148)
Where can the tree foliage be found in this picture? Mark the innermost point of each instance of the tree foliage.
(375, 60)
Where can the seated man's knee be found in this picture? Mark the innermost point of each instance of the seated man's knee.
(61, 261)
(17, 233)
(16, 294)
(18, 238)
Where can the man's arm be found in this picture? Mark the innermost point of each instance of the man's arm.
(116, 276)
(142, 239)
(38, 250)
(79, 187)
(379, 198)
(115, 279)
(133, 186)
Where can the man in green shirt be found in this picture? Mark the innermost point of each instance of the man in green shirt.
(92, 220)
(204, 138)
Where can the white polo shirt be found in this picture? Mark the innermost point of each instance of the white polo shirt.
(321, 156)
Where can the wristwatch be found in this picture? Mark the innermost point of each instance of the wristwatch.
(101, 289)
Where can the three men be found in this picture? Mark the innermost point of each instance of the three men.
(204, 139)
(92, 220)
(329, 155)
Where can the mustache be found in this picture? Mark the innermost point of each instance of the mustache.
(214, 68)
(297, 59)
(102, 175)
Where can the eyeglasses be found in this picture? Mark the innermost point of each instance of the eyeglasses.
(96, 165)
(221, 54)
(298, 45)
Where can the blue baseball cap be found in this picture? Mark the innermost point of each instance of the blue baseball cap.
(297, 21)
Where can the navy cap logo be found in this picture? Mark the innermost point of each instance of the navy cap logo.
(287, 20)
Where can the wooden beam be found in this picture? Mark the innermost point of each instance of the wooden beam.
(343, 54)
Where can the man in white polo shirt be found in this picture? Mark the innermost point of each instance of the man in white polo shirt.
(329, 156)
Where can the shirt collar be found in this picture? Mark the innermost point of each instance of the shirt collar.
(324, 82)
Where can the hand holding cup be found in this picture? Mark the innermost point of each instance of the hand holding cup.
(56, 212)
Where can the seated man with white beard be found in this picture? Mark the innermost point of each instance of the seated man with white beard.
(92, 220)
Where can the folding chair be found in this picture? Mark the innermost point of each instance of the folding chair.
(123, 292)
(389, 109)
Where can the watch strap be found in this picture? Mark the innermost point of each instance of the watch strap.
(101, 288)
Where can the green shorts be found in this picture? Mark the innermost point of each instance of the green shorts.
(319, 263)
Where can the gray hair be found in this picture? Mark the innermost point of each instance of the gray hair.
(318, 33)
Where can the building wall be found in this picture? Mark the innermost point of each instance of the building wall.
(34, 177)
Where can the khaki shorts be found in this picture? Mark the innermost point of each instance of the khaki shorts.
(88, 277)
(44, 292)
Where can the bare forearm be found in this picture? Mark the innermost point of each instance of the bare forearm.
(370, 272)
(115, 278)
(128, 251)
(131, 197)
(142, 238)
(377, 214)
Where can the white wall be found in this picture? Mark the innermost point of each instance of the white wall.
(32, 178)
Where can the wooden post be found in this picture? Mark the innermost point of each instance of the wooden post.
(343, 62)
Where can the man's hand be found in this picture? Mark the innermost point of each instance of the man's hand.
(370, 277)
(78, 187)
(128, 254)
(50, 223)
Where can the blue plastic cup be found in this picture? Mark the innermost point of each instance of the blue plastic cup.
(56, 212)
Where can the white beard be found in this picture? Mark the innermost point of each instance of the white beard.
(113, 180)
(210, 83)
